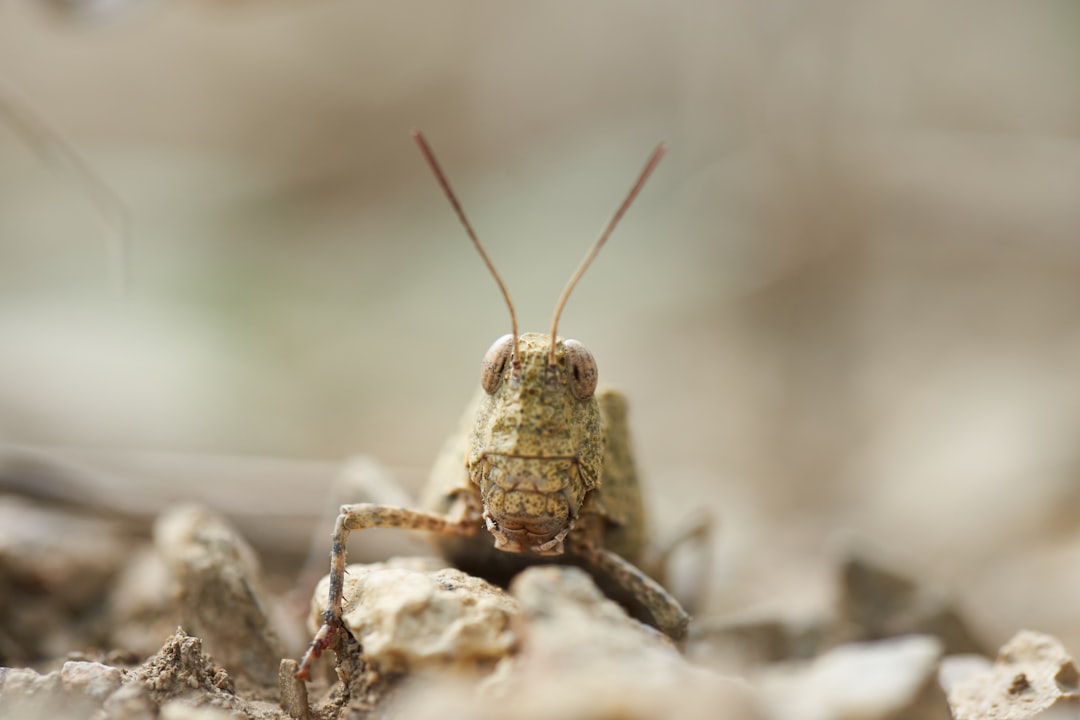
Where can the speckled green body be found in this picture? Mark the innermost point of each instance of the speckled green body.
(541, 465)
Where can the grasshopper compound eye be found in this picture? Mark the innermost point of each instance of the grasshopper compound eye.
(495, 360)
(581, 370)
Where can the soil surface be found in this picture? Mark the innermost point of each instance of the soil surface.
(100, 620)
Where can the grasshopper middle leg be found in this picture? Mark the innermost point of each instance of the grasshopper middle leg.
(362, 517)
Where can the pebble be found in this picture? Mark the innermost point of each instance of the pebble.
(410, 614)
(1034, 676)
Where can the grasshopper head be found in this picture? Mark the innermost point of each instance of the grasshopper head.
(537, 445)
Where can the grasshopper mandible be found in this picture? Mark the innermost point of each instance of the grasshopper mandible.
(540, 470)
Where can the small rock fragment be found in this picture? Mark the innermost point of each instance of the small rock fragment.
(409, 614)
(1033, 677)
(892, 679)
(293, 691)
(220, 590)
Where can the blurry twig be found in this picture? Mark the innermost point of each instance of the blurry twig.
(59, 155)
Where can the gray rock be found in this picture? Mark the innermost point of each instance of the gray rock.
(220, 591)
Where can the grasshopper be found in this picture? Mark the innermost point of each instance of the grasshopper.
(540, 470)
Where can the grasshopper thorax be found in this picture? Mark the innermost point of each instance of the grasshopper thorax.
(537, 445)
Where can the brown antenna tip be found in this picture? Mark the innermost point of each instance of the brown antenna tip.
(445, 185)
(653, 161)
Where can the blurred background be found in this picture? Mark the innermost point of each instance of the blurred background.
(846, 304)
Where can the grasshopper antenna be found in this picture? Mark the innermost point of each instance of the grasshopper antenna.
(55, 151)
(653, 161)
(435, 168)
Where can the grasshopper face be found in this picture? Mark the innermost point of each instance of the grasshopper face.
(537, 446)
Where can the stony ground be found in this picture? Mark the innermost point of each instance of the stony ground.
(99, 621)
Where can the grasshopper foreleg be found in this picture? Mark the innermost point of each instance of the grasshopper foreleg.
(362, 517)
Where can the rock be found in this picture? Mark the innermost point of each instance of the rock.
(568, 623)
(130, 702)
(220, 591)
(586, 699)
(25, 694)
(55, 567)
(410, 614)
(1033, 677)
(892, 679)
(956, 669)
(580, 656)
(51, 547)
(142, 606)
(180, 670)
(747, 640)
(876, 602)
(181, 682)
(92, 679)
(293, 691)
(873, 602)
